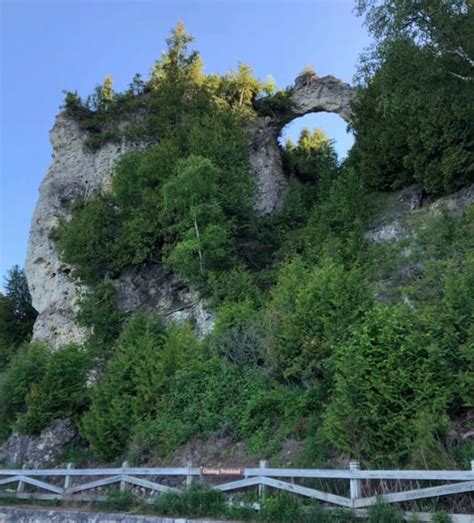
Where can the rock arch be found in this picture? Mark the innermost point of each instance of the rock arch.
(310, 94)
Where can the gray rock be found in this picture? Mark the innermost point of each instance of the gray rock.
(455, 203)
(155, 289)
(388, 226)
(310, 94)
(75, 172)
(37, 451)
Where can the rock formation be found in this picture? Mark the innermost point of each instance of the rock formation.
(38, 451)
(310, 94)
(77, 172)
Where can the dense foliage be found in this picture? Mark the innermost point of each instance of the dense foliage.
(39, 386)
(413, 115)
(17, 315)
(350, 347)
(413, 123)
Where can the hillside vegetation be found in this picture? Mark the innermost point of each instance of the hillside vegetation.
(321, 336)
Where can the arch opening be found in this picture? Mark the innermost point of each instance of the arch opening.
(333, 126)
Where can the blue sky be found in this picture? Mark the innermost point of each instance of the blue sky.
(49, 46)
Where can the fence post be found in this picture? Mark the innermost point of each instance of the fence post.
(21, 484)
(68, 477)
(261, 488)
(123, 484)
(355, 484)
(189, 477)
(472, 464)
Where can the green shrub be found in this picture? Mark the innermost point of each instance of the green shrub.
(383, 513)
(24, 374)
(386, 374)
(60, 393)
(310, 310)
(283, 508)
(197, 501)
(136, 382)
(441, 517)
(122, 501)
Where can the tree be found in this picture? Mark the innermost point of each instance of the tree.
(138, 376)
(310, 311)
(61, 391)
(312, 159)
(137, 85)
(193, 211)
(387, 383)
(412, 122)
(242, 88)
(89, 240)
(23, 374)
(17, 314)
(177, 63)
(446, 27)
(107, 92)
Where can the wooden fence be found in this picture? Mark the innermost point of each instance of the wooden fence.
(87, 484)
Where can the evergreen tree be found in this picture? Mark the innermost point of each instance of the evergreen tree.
(107, 92)
(177, 63)
(17, 314)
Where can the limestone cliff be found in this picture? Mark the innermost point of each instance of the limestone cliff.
(77, 172)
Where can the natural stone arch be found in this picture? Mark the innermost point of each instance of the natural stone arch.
(310, 94)
(76, 172)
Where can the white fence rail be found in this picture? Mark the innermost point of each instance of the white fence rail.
(87, 484)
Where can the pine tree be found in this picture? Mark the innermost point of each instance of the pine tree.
(107, 92)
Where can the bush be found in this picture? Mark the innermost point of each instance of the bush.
(282, 508)
(24, 374)
(383, 513)
(135, 383)
(60, 393)
(386, 374)
(197, 501)
(118, 500)
(310, 310)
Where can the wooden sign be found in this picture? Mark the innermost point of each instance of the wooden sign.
(222, 471)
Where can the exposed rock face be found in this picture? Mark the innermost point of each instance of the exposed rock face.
(310, 94)
(74, 173)
(37, 451)
(156, 289)
(77, 172)
(389, 225)
(405, 214)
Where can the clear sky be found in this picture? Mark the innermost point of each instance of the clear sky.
(49, 46)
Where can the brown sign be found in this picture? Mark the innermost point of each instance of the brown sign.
(208, 471)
